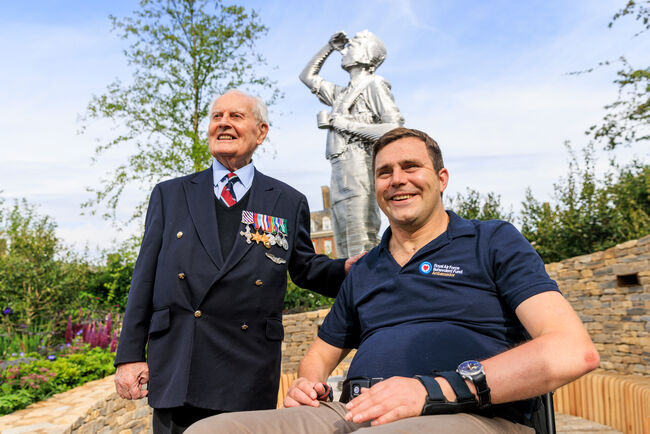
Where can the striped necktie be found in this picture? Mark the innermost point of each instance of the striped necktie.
(228, 193)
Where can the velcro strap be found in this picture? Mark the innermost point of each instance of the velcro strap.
(436, 403)
(458, 384)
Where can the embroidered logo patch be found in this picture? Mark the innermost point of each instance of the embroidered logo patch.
(446, 270)
(425, 267)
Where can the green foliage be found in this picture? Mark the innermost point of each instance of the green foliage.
(589, 214)
(298, 300)
(628, 118)
(109, 285)
(627, 121)
(42, 282)
(25, 383)
(183, 53)
(39, 278)
(477, 206)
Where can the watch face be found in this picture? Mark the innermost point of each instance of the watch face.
(470, 367)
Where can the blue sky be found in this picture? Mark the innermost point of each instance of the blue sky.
(487, 79)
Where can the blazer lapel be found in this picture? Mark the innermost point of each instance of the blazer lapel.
(199, 191)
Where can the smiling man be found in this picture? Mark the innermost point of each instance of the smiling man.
(458, 327)
(208, 286)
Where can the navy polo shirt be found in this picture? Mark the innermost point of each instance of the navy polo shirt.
(454, 300)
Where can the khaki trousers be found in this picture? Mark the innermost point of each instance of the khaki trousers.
(329, 418)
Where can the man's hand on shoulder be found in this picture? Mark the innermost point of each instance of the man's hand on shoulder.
(388, 401)
(129, 379)
(350, 261)
(304, 392)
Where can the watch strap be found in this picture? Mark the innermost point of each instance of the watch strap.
(482, 390)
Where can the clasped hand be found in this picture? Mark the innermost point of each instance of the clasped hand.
(387, 401)
(303, 392)
(129, 379)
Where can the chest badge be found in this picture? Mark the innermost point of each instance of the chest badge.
(275, 259)
(425, 267)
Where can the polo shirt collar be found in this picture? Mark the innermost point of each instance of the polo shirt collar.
(457, 227)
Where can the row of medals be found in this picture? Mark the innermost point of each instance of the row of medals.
(268, 239)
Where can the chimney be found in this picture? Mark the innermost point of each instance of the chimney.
(326, 197)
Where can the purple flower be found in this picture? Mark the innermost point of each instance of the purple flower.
(51, 357)
(21, 354)
(14, 355)
(7, 311)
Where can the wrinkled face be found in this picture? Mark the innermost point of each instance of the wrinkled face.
(353, 53)
(407, 187)
(234, 132)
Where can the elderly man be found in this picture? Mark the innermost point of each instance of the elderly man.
(456, 322)
(208, 286)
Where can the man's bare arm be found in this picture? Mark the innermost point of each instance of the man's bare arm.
(315, 367)
(560, 351)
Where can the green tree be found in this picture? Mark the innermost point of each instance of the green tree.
(474, 205)
(183, 53)
(589, 214)
(111, 282)
(627, 120)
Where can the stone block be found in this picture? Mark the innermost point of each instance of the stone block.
(143, 413)
(124, 419)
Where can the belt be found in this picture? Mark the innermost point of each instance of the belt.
(352, 387)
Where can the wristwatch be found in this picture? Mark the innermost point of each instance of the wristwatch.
(473, 371)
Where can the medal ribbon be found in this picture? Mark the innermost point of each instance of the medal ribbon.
(267, 223)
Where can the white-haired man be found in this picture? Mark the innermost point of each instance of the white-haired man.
(208, 286)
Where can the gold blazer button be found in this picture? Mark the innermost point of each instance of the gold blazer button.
(181, 276)
(197, 314)
(258, 282)
(179, 234)
(244, 327)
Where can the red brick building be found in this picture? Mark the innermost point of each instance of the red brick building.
(322, 233)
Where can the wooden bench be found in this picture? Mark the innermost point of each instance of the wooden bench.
(617, 400)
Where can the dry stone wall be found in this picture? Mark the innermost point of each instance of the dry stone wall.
(93, 408)
(610, 290)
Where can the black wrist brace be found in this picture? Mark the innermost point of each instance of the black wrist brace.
(436, 403)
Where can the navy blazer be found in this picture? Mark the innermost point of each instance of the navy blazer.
(213, 325)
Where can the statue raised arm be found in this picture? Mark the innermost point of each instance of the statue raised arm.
(361, 113)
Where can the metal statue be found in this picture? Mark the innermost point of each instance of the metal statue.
(361, 113)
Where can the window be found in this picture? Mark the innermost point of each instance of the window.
(327, 224)
(328, 247)
(313, 225)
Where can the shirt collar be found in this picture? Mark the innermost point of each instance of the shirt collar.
(457, 227)
(245, 174)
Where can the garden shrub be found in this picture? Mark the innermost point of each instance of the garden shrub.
(25, 383)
